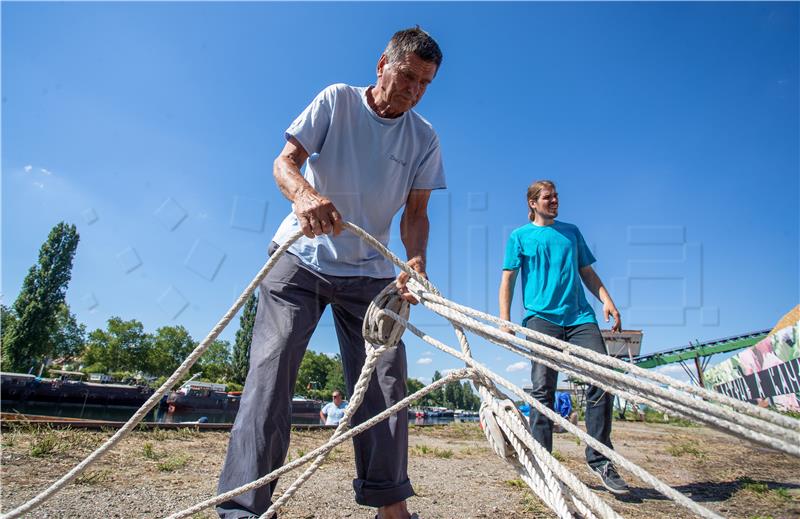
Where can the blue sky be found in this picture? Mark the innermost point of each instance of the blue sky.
(670, 129)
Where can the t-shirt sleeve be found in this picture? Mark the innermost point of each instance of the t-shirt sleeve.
(311, 126)
(585, 256)
(430, 174)
(513, 257)
(326, 409)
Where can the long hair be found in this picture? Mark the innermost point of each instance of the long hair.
(533, 194)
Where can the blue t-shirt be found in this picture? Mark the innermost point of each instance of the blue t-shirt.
(333, 414)
(366, 165)
(550, 258)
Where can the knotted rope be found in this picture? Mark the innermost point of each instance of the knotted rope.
(507, 432)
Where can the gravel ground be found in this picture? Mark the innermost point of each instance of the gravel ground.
(455, 475)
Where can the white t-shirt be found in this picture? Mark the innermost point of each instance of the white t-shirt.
(333, 414)
(366, 165)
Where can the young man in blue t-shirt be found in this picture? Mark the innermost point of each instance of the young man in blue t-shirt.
(554, 260)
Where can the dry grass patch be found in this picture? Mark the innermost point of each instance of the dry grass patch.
(173, 463)
(94, 477)
(680, 448)
(430, 452)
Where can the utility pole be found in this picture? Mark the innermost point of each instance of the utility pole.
(700, 380)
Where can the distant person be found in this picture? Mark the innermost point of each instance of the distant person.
(555, 260)
(333, 412)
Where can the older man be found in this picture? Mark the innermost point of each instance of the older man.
(333, 412)
(368, 154)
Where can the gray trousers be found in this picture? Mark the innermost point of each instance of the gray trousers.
(599, 404)
(291, 301)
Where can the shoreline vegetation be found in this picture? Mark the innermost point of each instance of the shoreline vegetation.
(454, 472)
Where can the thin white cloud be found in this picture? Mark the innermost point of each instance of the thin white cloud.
(517, 366)
(671, 370)
(39, 185)
(424, 361)
(45, 172)
(28, 168)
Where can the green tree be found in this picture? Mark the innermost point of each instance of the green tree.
(312, 378)
(7, 320)
(122, 346)
(170, 347)
(435, 398)
(413, 385)
(215, 363)
(452, 395)
(472, 402)
(335, 378)
(69, 337)
(244, 336)
(27, 342)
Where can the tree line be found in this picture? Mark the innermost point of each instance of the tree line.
(39, 326)
(454, 394)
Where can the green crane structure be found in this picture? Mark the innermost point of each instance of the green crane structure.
(699, 351)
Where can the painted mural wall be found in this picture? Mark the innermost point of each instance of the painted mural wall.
(767, 374)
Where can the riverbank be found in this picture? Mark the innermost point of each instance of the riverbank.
(455, 474)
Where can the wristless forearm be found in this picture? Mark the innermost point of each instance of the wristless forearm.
(290, 181)
(414, 235)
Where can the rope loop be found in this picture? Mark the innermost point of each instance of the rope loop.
(379, 328)
(506, 429)
(494, 434)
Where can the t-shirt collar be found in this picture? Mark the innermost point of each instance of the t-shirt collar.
(371, 112)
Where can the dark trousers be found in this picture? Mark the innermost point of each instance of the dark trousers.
(291, 300)
(599, 404)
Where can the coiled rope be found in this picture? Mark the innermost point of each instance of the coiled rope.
(507, 432)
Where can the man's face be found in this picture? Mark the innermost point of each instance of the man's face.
(403, 82)
(546, 205)
(337, 398)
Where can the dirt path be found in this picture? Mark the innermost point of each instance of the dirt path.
(455, 475)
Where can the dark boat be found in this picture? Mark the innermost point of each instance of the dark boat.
(19, 388)
(206, 397)
(201, 397)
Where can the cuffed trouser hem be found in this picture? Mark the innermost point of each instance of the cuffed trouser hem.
(234, 513)
(378, 497)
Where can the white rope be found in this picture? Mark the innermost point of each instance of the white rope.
(506, 431)
(324, 449)
(155, 397)
(750, 427)
(614, 363)
(612, 455)
(355, 402)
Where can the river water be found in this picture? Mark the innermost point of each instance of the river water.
(122, 414)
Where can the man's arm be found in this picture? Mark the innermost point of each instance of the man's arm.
(414, 230)
(322, 415)
(505, 296)
(596, 287)
(316, 214)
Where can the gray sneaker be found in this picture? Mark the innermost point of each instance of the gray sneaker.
(610, 478)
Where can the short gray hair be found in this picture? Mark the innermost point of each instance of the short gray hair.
(413, 40)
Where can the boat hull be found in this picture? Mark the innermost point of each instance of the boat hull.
(18, 388)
